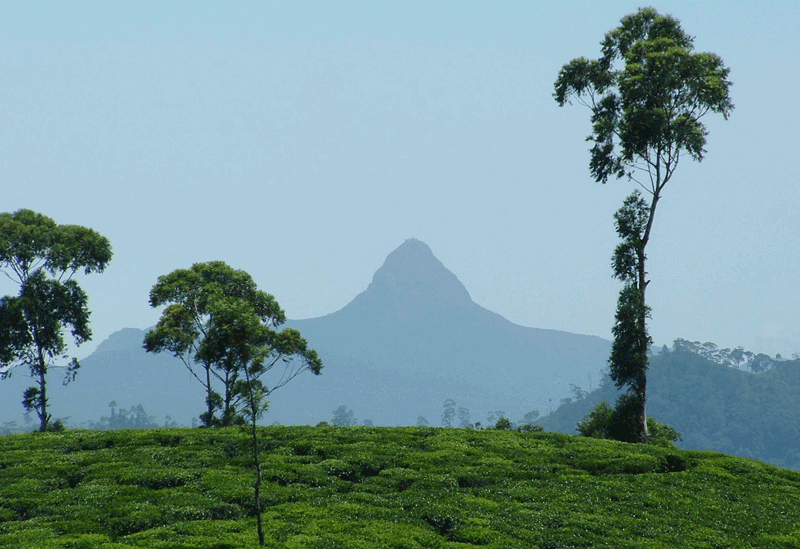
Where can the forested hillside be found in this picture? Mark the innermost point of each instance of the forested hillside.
(713, 404)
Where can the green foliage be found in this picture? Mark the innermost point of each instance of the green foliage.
(735, 358)
(42, 257)
(383, 487)
(647, 94)
(606, 422)
(660, 434)
(714, 406)
(598, 423)
(56, 427)
(216, 317)
(631, 225)
(628, 361)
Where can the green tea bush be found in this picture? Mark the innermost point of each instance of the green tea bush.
(384, 487)
(339, 469)
(400, 478)
(157, 478)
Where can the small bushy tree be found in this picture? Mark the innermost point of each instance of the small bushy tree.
(343, 417)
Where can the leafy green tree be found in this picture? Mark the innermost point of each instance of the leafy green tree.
(615, 423)
(422, 422)
(578, 393)
(217, 319)
(42, 257)
(647, 93)
(598, 422)
(343, 416)
(760, 363)
(661, 435)
(628, 361)
(236, 340)
(448, 412)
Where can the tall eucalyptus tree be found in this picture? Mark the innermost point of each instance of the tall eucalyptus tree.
(648, 93)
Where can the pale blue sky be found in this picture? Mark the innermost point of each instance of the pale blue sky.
(303, 143)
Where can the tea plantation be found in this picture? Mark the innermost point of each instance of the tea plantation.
(360, 487)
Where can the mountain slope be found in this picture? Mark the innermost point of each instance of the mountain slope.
(714, 407)
(414, 338)
(411, 340)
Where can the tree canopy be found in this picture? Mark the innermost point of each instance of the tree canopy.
(647, 92)
(216, 318)
(42, 257)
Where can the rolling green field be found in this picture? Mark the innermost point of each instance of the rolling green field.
(360, 487)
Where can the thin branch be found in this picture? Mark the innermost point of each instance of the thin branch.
(187, 362)
(8, 275)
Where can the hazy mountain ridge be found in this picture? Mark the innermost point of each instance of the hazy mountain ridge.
(410, 340)
(414, 338)
(415, 326)
(714, 406)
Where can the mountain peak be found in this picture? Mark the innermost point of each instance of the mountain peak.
(412, 272)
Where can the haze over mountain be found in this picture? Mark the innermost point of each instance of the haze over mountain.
(411, 340)
(414, 338)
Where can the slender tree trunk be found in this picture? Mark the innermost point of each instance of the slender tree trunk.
(641, 385)
(253, 404)
(257, 486)
(228, 412)
(643, 282)
(209, 401)
(642, 415)
(41, 406)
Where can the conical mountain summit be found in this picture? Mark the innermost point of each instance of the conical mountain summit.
(412, 339)
(413, 272)
(415, 338)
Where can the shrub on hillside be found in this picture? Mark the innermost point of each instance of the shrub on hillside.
(609, 423)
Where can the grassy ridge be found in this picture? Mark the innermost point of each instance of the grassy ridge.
(358, 487)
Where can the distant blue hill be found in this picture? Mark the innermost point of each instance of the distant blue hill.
(414, 338)
(714, 406)
(411, 340)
